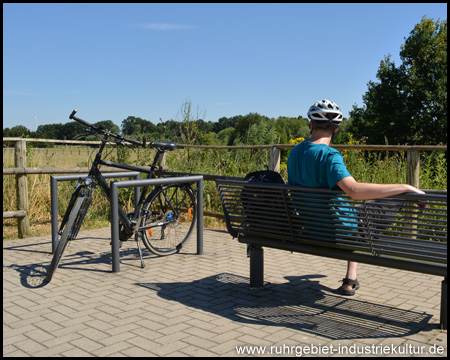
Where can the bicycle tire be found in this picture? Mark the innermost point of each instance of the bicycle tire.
(169, 216)
(83, 211)
(70, 232)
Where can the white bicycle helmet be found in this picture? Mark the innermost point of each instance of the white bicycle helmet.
(326, 112)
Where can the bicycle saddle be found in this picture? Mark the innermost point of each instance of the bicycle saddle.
(164, 145)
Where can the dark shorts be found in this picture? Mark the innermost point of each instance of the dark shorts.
(376, 216)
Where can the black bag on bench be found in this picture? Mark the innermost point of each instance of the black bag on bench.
(252, 199)
(255, 200)
(264, 176)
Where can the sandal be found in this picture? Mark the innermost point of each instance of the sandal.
(355, 286)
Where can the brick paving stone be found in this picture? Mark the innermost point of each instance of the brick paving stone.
(29, 346)
(110, 340)
(111, 350)
(86, 344)
(39, 335)
(195, 351)
(12, 340)
(76, 352)
(190, 305)
(135, 351)
(17, 353)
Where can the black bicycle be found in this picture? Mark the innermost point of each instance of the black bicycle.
(163, 220)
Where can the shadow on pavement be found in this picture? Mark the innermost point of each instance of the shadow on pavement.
(302, 303)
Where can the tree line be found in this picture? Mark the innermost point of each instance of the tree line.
(251, 129)
(407, 105)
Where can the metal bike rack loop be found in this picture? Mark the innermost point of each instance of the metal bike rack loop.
(54, 196)
(115, 185)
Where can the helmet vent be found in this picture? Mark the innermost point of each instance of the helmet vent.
(332, 116)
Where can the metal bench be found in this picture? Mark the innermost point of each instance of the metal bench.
(398, 235)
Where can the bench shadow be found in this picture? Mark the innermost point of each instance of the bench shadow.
(302, 304)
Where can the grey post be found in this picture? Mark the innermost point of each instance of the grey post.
(115, 185)
(54, 196)
(200, 216)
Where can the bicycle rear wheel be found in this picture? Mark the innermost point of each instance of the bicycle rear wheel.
(70, 231)
(168, 218)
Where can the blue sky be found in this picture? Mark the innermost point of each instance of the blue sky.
(111, 61)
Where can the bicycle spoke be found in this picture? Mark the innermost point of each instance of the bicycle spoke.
(169, 219)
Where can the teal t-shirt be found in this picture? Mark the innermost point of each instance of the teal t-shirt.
(315, 165)
(321, 166)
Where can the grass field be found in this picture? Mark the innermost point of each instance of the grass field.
(375, 167)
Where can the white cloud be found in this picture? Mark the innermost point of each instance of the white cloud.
(164, 26)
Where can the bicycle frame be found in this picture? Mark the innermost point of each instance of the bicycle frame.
(133, 223)
(95, 173)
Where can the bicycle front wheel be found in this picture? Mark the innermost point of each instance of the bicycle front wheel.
(168, 218)
(70, 232)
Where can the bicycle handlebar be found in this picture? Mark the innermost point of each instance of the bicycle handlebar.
(103, 131)
(81, 121)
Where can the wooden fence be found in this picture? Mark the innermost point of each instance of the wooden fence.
(21, 170)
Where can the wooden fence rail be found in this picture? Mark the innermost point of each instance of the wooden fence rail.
(20, 170)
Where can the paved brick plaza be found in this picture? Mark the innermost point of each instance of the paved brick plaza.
(202, 305)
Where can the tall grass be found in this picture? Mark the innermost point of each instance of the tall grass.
(39, 190)
(365, 166)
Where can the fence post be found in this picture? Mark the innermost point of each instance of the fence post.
(412, 178)
(20, 160)
(412, 167)
(275, 155)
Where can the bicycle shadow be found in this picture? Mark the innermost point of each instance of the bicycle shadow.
(301, 304)
(33, 275)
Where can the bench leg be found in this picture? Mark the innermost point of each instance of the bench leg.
(256, 266)
(444, 304)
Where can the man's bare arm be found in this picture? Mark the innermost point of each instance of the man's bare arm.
(367, 191)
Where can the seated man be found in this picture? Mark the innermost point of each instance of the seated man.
(313, 163)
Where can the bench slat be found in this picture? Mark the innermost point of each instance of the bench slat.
(306, 215)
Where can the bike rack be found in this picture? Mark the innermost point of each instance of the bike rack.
(115, 185)
(54, 196)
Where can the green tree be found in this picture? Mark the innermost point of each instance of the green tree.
(246, 132)
(225, 136)
(135, 125)
(409, 102)
(224, 123)
(72, 131)
(169, 130)
(16, 131)
(49, 131)
(291, 128)
(343, 136)
(109, 125)
(262, 132)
